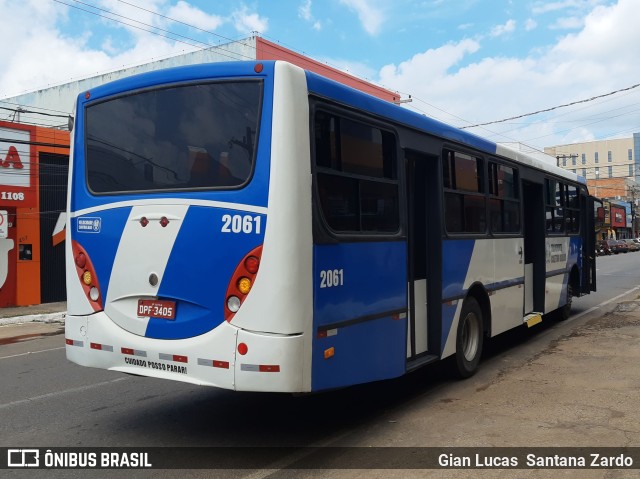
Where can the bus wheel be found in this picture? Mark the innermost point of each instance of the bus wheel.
(565, 311)
(469, 338)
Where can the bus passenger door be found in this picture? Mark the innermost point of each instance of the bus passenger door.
(534, 247)
(423, 207)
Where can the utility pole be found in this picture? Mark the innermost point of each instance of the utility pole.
(564, 157)
(633, 191)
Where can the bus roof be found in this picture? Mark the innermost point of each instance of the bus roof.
(337, 91)
(326, 87)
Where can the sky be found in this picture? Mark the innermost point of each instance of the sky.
(464, 62)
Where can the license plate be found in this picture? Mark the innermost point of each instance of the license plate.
(157, 308)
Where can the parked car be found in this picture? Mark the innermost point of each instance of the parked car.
(622, 246)
(616, 246)
(631, 244)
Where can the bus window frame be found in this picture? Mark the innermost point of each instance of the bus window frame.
(322, 231)
(445, 190)
(565, 182)
(486, 159)
(179, 84)
(504, 199)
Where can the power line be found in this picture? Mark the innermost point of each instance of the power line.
(177, 21)
(130, 25)
(21, 110)
(38, 107)
(553, 108)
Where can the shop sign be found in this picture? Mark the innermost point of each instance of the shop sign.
(618, 217)
(17, 168)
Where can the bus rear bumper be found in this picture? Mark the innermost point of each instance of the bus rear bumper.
(270, 363)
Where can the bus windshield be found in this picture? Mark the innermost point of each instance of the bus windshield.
(174, 138)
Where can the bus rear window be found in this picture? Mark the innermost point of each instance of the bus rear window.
(183, 137)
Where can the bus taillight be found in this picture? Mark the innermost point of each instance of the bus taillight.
(87, 275)
(252, 263)
(241, 282)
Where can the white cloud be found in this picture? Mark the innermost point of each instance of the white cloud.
(246, 22)
(304, 12)
(508, 27)
(183, 12)
(130, 18)
(40, 55)
(567, 23)
(438, 61)
(370, 16)
(595, 56)
(593, 61)
(543, 6)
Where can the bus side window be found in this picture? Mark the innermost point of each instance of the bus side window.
(555, 205)
(504, 199)
(464, 197)
(572, 216)
(356, 175)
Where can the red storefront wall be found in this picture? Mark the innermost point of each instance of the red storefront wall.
(20, 147)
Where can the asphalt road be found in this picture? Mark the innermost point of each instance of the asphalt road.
(46, 401)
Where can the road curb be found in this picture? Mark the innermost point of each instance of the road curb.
(35, 318)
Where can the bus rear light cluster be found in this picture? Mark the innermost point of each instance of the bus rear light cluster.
(242, 282)
(144, 221)
(87, 275)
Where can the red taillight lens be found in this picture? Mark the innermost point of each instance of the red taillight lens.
(241, 282)
(81, 260)
(252, 264)
(87, 276)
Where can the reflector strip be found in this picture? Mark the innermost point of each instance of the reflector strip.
(327, 333)
(133, 352)
(260, 368)
(102, 347)
(74, 342)
(396, 317)
(173, 357)
(213, 363)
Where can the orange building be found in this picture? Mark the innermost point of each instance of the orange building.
(614, 188)
(33, 176)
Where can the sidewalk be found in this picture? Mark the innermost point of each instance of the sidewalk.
(23, 322)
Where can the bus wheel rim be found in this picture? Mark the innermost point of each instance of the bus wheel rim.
(470, 336)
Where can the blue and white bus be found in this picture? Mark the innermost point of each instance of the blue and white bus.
(257, 227)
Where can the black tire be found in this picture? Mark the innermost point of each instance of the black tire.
(469, 338)
(565, 311)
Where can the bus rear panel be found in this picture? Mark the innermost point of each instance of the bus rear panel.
(179, 260)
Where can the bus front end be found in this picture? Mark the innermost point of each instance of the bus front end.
(189, 227)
